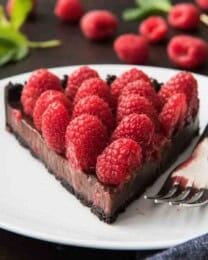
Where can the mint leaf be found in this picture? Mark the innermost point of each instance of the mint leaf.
(7, 52)
(159, 4)
(3, 20)
(20, 12)
(132, 14)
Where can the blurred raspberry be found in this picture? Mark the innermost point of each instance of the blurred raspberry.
(184, 16)
(203, 4)
(187, 52)
(132, 48)
(99, 24)
(69, 10)
(154, 28)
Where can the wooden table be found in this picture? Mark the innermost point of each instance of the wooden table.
(75, 50)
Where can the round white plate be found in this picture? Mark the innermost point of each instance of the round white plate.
(33, 203)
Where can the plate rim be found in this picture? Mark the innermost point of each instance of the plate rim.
(96, 244)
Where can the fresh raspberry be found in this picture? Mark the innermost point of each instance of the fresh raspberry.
(40, 81)
(187, 52)
(182, 82)
(69, 10)
(203, 4)
(144, 89)
(129, 76)
(99, 24)
(154, 28)
(119, 161)
(76, 78)
(10, 6)
(136, 127)
(94, 86)
(173, 114)
(135, 104)
(95, 106)
(45, 99)
(86, 137)
(132, 48)
(54, 123)
(184, 16)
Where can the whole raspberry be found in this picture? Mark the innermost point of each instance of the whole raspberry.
(54, 122)
(144, 89)
(136, 127)
(154, 28)
(69, 10)
(86, 137)
(135, 104)
(187, 52)
(182, 82)
(95, 106)
(129, 76)
(94, 86)
(76, 78)
(45, 99)
(184, 16)
(132, 48)
(99, 24)
(40, 81)
(119, 161)
(203, 4)
(173, 114)
(10, 6)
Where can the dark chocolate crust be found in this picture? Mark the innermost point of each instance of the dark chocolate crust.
(138, 184)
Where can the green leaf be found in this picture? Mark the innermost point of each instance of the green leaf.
(20, 12)
(17, 39)
(3, 20)
(140, 13)
(7, 52)
(159, 4)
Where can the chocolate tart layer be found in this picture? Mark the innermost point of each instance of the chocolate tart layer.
(105, 201)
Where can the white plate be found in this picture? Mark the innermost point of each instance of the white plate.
(33, 203)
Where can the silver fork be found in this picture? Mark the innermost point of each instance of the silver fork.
(187, 184)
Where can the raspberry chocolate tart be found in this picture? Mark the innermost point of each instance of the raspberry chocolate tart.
(105, 141)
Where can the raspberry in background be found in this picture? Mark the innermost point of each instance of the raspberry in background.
(86, 137)
(132, 48)
(187, 52)
(99, 24)
(182, 82)
(54, 122)
(203, 4)
(10, 5)
(135, 104)
(94, 86)
(119, 161)
(40, 81)
(128, 76)
(69, 10)
(95, 106)
(185, 16)
(45, 99)
(154, 28)
(173, 114)
(76, 78)
(144, 89)
(139, 128)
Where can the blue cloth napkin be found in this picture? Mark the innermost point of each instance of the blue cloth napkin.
(196, 248)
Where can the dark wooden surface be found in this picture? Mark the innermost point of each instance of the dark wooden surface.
(75, 50)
